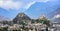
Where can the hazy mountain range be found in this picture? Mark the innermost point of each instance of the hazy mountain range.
(2, 18)
(55, 12)
(39, 9)
(46, 9)
(55, 15)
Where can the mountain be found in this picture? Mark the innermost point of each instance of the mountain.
(2, 10)
(21, 17)
(55, 15)
(39, 8)
(56, 20)
(2, 18)
(55, 12)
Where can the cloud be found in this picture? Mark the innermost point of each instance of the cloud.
(17, 4)
(28, 5)
(57, 16)
(10, 4)
(42, 0)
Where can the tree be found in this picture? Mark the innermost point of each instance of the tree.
(33, 21)
(5, 28)
(44, 20)
(10, 23)
(36, 20)
(23, 23)
(47, 23)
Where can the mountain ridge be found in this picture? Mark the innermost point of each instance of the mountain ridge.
(3, 18)
(21, 17)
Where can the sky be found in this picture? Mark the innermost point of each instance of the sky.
(10, 8)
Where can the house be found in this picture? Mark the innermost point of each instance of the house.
(14, 27)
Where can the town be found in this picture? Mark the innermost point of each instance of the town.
(29, 15)
(23, 23)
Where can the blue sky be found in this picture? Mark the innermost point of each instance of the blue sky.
(33, 8)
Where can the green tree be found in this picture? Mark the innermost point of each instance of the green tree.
(33, 21)
(5, 28)
(45, 21)
(10, 23)
(23, 23)
(18, 30)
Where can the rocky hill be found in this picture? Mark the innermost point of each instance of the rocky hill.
(21, 17)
